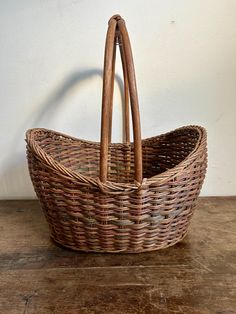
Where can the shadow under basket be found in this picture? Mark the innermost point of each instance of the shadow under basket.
(130, 197)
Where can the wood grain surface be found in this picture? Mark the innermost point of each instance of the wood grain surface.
(197, 275)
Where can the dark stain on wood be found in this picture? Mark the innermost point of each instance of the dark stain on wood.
(197, 275)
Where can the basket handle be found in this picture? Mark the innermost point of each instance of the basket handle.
(117, 41)
(117, 30)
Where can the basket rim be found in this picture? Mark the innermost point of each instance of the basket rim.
(113, 187)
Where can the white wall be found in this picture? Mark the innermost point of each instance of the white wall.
(51, 63)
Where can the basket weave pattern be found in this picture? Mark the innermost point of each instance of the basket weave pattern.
(149, 217)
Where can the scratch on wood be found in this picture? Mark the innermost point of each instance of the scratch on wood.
(27, 299)
(203, 265)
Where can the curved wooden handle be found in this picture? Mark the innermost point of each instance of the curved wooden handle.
(117, 41)
(117, 29)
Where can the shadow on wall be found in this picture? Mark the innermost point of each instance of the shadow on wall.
(14, 179)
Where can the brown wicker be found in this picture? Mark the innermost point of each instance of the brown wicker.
(130, 197)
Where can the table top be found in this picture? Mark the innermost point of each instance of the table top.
(197, 275)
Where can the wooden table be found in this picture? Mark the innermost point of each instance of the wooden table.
(197, 275)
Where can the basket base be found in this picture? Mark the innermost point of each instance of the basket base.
(73, 248)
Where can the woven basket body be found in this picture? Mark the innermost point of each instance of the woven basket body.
(87, 210)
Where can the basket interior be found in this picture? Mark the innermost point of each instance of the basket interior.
(160, 153)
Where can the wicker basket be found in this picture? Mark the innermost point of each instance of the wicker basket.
(130, 197)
